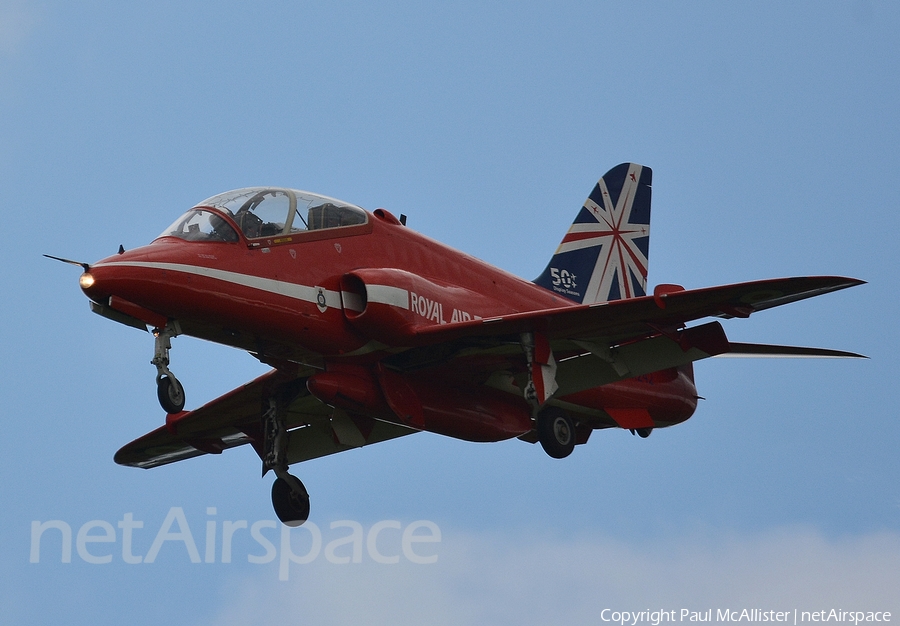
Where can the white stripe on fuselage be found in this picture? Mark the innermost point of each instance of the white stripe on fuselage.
(379, 294)
(304, 293)
(385, 294)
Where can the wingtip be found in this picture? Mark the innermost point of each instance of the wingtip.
(758, 350)
(848, 281)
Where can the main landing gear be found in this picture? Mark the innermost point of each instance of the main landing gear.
(556, 432)
(555, 428)
(289, 496)
(290, 500)
(168, 389)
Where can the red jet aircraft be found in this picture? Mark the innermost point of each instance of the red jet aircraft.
(375, 331)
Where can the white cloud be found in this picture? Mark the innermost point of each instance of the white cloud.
(522, 578)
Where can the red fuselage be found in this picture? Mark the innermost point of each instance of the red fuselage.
(342, 299)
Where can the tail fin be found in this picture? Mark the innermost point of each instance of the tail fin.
(604, 255)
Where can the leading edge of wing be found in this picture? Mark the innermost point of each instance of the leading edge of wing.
(621, 320)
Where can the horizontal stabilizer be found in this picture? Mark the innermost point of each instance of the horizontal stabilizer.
(760, 350)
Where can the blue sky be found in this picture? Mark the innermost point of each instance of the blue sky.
(772, 131)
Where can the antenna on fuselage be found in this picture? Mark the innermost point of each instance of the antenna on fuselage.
(403, 219)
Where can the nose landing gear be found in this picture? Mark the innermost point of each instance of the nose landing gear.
(170, 393)
(168, 390)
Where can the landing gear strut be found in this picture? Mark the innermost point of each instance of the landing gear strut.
(168, 389)
(555, 429)
(289, 496)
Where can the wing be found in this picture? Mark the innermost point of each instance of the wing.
(625, 320)
(234, 419)
(595, 344)
(626, 338)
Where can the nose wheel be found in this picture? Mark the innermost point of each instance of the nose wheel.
(170, 393)
(168, 390)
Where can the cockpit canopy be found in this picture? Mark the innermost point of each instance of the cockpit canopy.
(264, 212)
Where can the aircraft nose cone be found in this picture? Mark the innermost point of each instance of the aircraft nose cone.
(122, 293)
(97, 283)
(92, 286)
(86, 280)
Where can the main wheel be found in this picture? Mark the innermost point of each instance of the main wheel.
(291, 506)
(643, 433)
(556, 432)
(170, 394)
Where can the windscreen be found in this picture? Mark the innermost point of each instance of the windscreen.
(268, 212)
(200, 225)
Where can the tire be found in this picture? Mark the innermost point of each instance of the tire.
(643, 433)
(291, 508)
(556, 432)
(170, 394)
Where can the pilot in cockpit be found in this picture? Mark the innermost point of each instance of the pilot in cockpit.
(250, 223)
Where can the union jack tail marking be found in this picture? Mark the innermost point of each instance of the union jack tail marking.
(604, 256)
